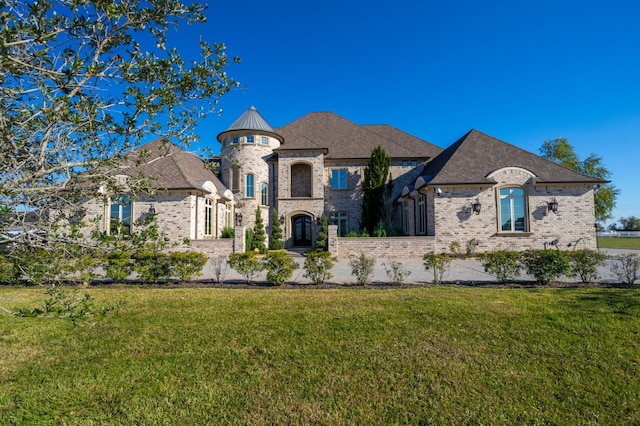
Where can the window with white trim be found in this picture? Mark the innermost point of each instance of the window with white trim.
(264, 194)
(512, 210)
(422, 214)
(341, 219)
(208, 217)
(265, 140)
(339, 179)
(249, 189)
(227, 215)
(120, 214)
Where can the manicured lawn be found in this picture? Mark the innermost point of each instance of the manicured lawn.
(428, 355)
(619, 243)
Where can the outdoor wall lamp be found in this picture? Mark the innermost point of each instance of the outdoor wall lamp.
(152, 210)
(238, 219)
(552, 206)
(475, 207)
(281, 219)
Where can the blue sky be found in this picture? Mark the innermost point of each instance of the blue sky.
(520, 71)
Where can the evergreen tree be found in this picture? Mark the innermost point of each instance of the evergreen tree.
(322, 239)
(259, 235)
(275, 242)
(376, 188)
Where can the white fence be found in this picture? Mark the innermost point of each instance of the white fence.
(619, 234)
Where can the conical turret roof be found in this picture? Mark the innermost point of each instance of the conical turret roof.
(250, 120)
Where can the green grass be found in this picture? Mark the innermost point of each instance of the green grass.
(619, 243)
(429, 355)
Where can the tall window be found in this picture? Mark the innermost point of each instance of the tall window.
(341, 221)
(512, 210)
(339, 179)
(422, 214)
(264, 194)
(120, 215)
(234, 179)
(249, 193)
(208, 216)
(227, 215)
(405, 218)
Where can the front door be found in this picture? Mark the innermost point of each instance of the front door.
(302, 231)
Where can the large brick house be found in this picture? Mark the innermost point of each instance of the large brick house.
(479, 189)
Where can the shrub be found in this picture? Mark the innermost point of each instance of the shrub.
(275, 241)
(584, 264)
(246, 264)
(546, 265)
(279, 266)
(187, 264)
(36, 265)
(380, 230)
(472, 246)
(396, 272)
(456, 248)
(259, 235)
(626, 267)
(364, 233)
(248, 240)
(352, 234)
(322, 239)
(9, 274)
(504, 264)
(118, 265)
(439, 263)
(151, 266)
(219, 266)
(228, 232)
(317, 266)
(362, 268)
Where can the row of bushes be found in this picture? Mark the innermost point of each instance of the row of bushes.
(545, 265)
(38, 266)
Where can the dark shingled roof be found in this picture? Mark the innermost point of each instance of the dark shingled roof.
(249, 120)
(475, 155)
(173, 167)
(344, 139)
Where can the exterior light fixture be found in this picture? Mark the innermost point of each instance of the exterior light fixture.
(281, 219)
(552, 206)
(475, 207)
(152, 210)
(238, 219)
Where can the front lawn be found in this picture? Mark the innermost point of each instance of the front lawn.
(428, 355)
(619, 243)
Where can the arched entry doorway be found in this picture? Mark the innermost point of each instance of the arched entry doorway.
(302, 232)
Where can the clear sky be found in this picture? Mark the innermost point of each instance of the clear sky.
(522, 72)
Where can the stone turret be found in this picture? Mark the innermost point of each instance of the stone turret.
(246, 147)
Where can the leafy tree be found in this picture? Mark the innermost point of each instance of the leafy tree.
(562, 152)
(83, 82)
(376, 188)
(275, 242)
(322, 239)
(630, 223)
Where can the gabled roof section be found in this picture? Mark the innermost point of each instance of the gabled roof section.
(476, 155)
(250, 120)
(346, 140)
(171, 166)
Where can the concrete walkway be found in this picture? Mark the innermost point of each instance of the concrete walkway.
(463, 271)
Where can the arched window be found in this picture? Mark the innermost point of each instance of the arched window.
(264, 194)
(249, 192)
(513, 211)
